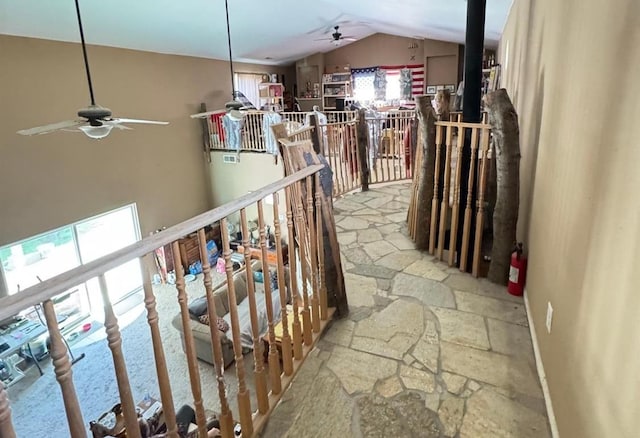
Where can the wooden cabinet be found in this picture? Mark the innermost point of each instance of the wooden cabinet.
(335, 86)
(271, 96)
(190, 248)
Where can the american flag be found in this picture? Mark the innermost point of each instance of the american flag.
(417, 76)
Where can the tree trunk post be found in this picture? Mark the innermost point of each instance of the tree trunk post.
(425, 171)
(363, 139)
(504, 125)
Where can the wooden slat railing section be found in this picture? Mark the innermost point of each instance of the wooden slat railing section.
(445, 205)
(390, 157)
(340, 141)
(253, 129)
(306, 253)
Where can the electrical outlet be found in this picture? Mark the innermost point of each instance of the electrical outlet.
(549, 316)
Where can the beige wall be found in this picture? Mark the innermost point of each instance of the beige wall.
(383, 49)
(254, 171)
(572, 69)
(51, 180)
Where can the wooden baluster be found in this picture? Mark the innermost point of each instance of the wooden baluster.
(436, 186)
(475, 269)
(395, 148)
(260, 375)
(225, 416)
(293, 276)
(120, 367)
(6, 426)
(313, 254)
(303, 236)
(287, 353)
(166, 396)
(274, 356)
(62, 368)
(320, 240)
(189, 343)
(244, 401)
(455, 213)
(466, 230)
(444, 206)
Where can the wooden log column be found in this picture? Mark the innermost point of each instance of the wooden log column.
(504, 125)
(363, 139)
(425, 173)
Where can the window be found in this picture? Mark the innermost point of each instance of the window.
(363, 89)
(393, 85)
(27, 262)
(249, 85)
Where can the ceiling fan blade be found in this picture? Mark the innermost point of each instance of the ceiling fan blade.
(148, 122)
(121, 126)
(52, 127)
(349, 38)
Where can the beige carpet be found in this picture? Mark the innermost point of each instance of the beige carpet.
(37, 401)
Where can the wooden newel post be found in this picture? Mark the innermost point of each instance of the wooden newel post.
(504, 125)
(425, 171)
(363, 140)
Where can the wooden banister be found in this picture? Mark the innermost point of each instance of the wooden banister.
(41, 292)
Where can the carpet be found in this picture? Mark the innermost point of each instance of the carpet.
(37, 401)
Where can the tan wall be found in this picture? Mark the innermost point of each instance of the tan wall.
(378, 49)
(572, 69)
(254, 171)
(383, 49)
(51, 180)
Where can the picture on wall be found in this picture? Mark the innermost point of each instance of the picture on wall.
(439, 87)
(451, 88)
(431, 89)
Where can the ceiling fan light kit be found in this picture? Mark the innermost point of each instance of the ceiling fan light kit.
(95, 121)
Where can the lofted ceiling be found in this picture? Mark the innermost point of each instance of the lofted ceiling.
(268, 32)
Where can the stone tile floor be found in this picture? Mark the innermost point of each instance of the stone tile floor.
(425, 352)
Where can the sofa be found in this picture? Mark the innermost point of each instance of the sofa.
(198, 308)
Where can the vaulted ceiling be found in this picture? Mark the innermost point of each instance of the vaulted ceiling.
(269, 32)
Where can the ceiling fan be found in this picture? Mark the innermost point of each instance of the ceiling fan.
(337, 38)
(95, 121)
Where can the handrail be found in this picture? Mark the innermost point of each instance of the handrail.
(464, 125)
(49, 288)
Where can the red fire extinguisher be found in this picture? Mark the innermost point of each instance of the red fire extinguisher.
(517, 271)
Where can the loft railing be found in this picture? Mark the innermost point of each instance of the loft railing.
(301, 323)
(254, 129)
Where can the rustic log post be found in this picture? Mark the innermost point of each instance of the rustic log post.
(363, 138)
(504, 125)
(425, 171)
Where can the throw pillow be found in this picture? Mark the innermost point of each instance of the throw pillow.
(221, 324)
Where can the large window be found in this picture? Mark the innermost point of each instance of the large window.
(27, 262)
(249, 85)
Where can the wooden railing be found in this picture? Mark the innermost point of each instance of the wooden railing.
(446, 203)
(305, 284)
(253, 128)
(391, 146)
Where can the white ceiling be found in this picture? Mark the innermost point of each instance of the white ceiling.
(282, 30)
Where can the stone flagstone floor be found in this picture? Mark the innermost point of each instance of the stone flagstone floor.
(425, 352)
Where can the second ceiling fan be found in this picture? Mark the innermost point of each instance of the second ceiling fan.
(95, 121)
(336, 37)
